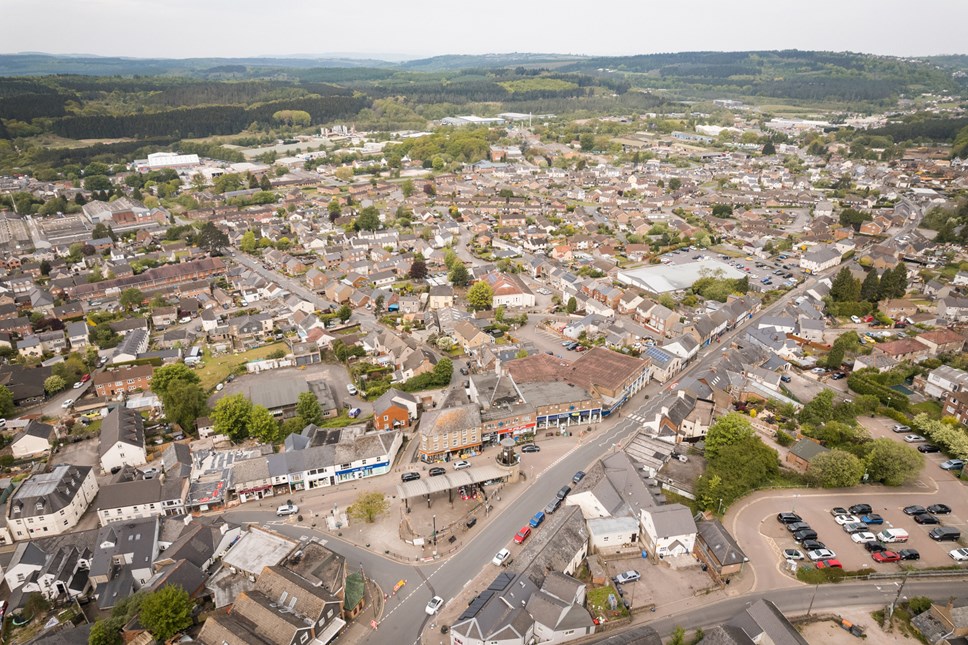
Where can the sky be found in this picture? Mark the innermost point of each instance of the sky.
(395, 29)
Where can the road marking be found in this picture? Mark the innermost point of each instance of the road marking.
(921, 484)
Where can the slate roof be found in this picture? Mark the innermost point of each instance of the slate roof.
(720, 542)
(124, 425)
(46, 493)
(807, 449)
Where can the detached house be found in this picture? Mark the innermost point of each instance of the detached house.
(36, 439)
(395, 409)
(122, 439)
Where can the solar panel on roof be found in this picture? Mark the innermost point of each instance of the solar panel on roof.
(501, 582)
(476, 605)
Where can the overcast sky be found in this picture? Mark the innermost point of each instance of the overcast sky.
(418, 28)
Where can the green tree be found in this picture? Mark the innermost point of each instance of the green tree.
(900, 280)
(307, 407)
(870, 287)
(368, 219)
(344, 313)
(378, 304)
(264, 183)
(835, 357)
(6, 402)
(892, 463)
(845, 287)
(131, 298)
(480, 296)
(819, 410)
(167, 612)
(335, 210)
(248, 242)
(262, 425)
(451, 259)
(587, 142)
(730, 429)
(407, 188)
(292, 425)
(572, 305)
(722, 210)
(418, 269)
(769, 149)
(184, 403)
(167, 375)
(836, 469)
(368, 507)
(459, 276)
(211, 239)
(106, 631)
(231, 417)
(54, 384)
(675, 184)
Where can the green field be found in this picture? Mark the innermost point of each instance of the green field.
(217, 368)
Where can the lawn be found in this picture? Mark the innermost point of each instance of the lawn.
(217, 368)
(597, 600)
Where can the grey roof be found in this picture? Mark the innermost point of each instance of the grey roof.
(46, 493)
(720, 542)
(763, 621)
(38, 429)
(276, 392)
(807, 449)
(124, 425)
(138, 492)
(499, 615)
(672, 519)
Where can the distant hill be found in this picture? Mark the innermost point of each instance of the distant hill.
(486, 61)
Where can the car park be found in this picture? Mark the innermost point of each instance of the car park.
(863, 537)
(860, 509)
(886, 556)
(939, 509)
(944, 534)
(437, 470)
(522, 535)
(627, 576)
(855, 527)
(872, 518)
(462, 464)
(805, 534)
(580, 475)
(958, 555)
(914, 438)
(434, 605)
(530, 447)
(952, 464)
(821, 554)
(500, 557)
(536, 521)
(792, 554)
(926, 518)
(909, 554)
(409, 477)
(914, 510)
(829, 564)
(788, 518)
(846, 519)
(928, 447)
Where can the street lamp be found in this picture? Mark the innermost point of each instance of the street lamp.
(435, 530)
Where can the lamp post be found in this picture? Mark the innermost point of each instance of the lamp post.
(435, 530)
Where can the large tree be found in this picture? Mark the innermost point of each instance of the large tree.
(231, 417)
(870, 287)
(368, 219)
(459, 276)
(167, 612)
(262, 425)
(131, 298)
(368, 506)
(893, 463)
(728, 430)
(6, 401)
(845, 287)
(418, 269)
(167, 375)
(307, 407)
(836, 469)
(211, 239)
(184, 404)
(818, 410)
(106, 631)
(54, 384)
(344, 313)
(480, 296)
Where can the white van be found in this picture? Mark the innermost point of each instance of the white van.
(287, 509)
(893, 535)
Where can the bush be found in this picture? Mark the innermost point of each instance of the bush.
(784, 439)
(919, 604)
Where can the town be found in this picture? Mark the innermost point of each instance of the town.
(359, 384)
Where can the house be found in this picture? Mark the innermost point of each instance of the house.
(123, 559)
(134, 344)
(36, 439)
(904, 349)
(164, 316)
(26, 384)
(669, 530)
(509, 291)
(945, 379)
(78, 334)
(942, 341)
(956, 405)
(953, 309)
(122, 440)
(449, 431)
(441, 296)
(718, 549)
(136, 378)
(51, 503)
(133, 499)
(944, 623)
(470, 337)
(498, 615)
(394, 409)
(664, 363)
(760, 622)
(819, 259)
(803, 452)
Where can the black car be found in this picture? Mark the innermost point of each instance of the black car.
(788, 518)
(437, 470)
(939, 509)
(914, 510)
(928, 447)
(409, 477)
(860, 509)
(793, 527)
(563, 492)
(874, 547)
(909, 554)
(813, 545)
(945, 534)
(838, 375)
(580, 475)
(530, 447)
(926, 518)
(805, 534)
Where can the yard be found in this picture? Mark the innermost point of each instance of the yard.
(216, 369)
(598, 605)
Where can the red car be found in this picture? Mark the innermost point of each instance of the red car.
(886, 556)
(85, 378)
(522, 535)
(829, 564)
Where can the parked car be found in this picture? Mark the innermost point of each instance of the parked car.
(409, 477)
(909, 554)
(939, 509)
(951, 464)
(926, 518)
(901, 428)
(793, 527)
(914, 510)
(78, 385)
(829, 564)
(552, 506)
(812, 545)
(886, 556)
(563, 492)
(874, 547)
(788, 518)
(838, 510)
(838, 375)
(944, 534)
(855, 527)
(500, 557)
(354, 412)
(805, 534)
(287, 509)
(914, 438)
(872, 518)
(860, 509)
(627, 576)
(530, 447)
(85, 378)
(846, 519)
(580, 475)
(958, 555)
(785, 378)
(536, 521)
(434, 605)
(351, 389)
(522, 535)
(928, 447)
(821, 554)
(792, 554)
(67, 403)
(462, 464)
(863, 537)
(437, 470)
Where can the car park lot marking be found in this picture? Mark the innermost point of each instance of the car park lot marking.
(920, 483)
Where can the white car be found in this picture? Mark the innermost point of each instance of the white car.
(78, 385)
(287, 509)
(863, 537)
(792, 554)
(627, 576)
(434, 605)
(959, 555)
(845, 519)
(501, 557)
(855, 320)
(67, 403)
(461, 465)
(913, 438)
(818, 370)
(351, 389)
(821, 554)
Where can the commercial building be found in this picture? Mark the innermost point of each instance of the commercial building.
(51, 503)
(665, 278)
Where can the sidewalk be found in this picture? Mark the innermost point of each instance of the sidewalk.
(361, 627)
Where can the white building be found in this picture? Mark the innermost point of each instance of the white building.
(668, 530)
(943, 380)
(122, 440)
(819, 259)
(51, 503)
(35, 439)
(130, 500)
